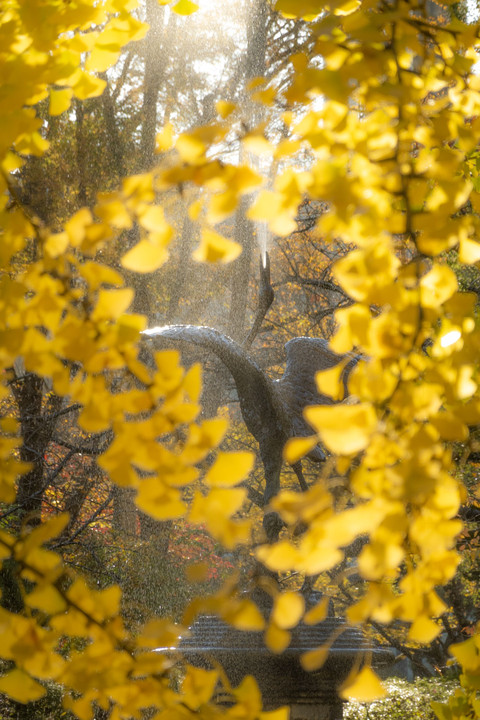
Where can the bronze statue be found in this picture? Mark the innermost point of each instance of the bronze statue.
(271, 409)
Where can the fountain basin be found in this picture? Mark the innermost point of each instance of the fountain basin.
(281, 678)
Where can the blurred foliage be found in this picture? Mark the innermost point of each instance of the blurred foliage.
(108, 466)
(404, 701)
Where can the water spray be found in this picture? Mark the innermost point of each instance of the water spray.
(262, 238)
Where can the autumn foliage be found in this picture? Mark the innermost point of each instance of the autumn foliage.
(391, 147)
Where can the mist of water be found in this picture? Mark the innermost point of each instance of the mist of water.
(262, 239)
(264, 166)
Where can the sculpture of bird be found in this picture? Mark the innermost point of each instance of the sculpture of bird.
(271, 409)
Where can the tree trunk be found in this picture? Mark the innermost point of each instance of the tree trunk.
(244, 228)
(81, 154)
(124, 511)
(37, 428)
(115, 140)
(180, 284)
(257, 42)
(154, 63)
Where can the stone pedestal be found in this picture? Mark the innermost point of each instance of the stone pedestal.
(281, 678)
(316, 712)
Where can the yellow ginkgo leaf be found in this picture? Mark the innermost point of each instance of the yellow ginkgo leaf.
(363, 687)
(298, 8)
(345, 7)
(282, 713)
(198, 686)
(221, 206)
(469, 251)
(467, 653)
(190, 148)
(159, 501)
(245, 616)
(288, 609)
(276, 638)
(139, 187)
(46, 531)
(219, 503)
(145, 257)
(329, 382)
(215, 511)
(424, 630)
(345, 429)
(185, 7)
(296, 448)
(280, 557)
(101, 58)
(115, 213)
(465, 386)
(47, 599)
(160, 632)
(229, 469)
(449, 426)
(76, 227)
(314, 659)
(192, 383)
(112, 303)
(152, 219)
(165, 138)
(80, 707)
(380, 559)
(56, 244)
(366, 273)
(214, 429)
(11, 162)
(21, 687)
(168, 364)
(437, 286)
(268, 206)
(215, 248)
(257, 144)
(59, 100)
(88, 86)
(32, 144)
(248, 693)
(224, 108)
(92, 420)
(317, 613)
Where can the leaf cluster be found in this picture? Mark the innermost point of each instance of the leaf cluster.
(391, 153)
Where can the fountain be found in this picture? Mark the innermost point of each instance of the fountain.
(272, 411)
(262, 239)
(281, 678)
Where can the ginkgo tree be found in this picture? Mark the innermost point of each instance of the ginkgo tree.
(392, 147)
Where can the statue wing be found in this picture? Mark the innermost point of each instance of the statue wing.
(256, 391)
(305, 357)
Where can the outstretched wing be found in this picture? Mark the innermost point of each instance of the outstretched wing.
(255, 391)
(305, 357)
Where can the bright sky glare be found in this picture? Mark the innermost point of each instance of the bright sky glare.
(450, 338)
